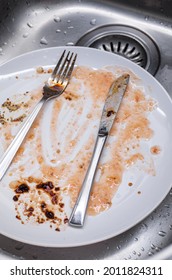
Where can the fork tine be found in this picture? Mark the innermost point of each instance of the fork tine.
(69, 72)
(58, 65)
(65, 71)
(67, 67)
(59, 73)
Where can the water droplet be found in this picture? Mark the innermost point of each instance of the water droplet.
(70, 27)
(93, 21)
(25, 35)
(167, 206)
(68, 20)
(47, 8)
(0, 50)
(150, 253)
(70, 44)
(57, 19)
(118, 247)
(28, 3)
(170, 226)
(144, 225)
(19, 246)
(142, 249)
(136, 239)
(65, 32)
(58, 31)
(134, 252)
(162, 233)
(146, 18)
(138, 254)
(43, 41)
(153, 246)
(157, 249)
(30, 24)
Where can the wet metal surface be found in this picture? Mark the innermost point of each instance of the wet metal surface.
(29, 25)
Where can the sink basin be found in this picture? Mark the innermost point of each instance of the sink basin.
(138, 30)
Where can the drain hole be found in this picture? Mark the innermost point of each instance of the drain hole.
(119, 47)
(134, 53)
(104, 47)
(132, 50)
(126, 41)
(124, 46)
(112, 47)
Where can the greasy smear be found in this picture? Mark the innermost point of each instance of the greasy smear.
(63, 151)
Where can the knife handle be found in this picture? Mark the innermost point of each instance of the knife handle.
(77, 216)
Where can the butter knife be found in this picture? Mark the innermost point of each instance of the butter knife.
(111, 107)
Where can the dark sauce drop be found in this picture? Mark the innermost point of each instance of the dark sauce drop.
(45, 186)
(110, 112)
(49, 214)
(23, 188)
(54, 199)
(43, 205)
(66, 220)
(15, 198)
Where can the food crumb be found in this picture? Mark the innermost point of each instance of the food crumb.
(89, 116)
(49, 71)
(155, 150)
(40, 70)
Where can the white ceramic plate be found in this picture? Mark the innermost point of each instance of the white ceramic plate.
(128, 207)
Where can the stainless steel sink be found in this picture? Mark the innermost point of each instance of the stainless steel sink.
(141, 28)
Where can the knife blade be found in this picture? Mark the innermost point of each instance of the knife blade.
(109, 113)
(112, 103)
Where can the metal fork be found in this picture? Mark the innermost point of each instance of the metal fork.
(54, 87)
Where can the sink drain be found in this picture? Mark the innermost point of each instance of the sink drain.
(123, 45)
(126, 41)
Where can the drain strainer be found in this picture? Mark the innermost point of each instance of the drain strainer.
(126, 41)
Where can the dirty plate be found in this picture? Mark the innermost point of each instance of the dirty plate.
(140, 191)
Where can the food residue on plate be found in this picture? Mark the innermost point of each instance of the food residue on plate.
(155, 150)
(50, 166)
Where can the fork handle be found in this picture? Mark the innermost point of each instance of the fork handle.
(9, 154)
(78, 213)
